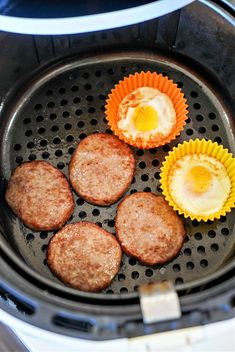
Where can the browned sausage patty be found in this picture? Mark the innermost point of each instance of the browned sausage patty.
(40, 196)
(148, 228)
(101, 168)
(84, 256)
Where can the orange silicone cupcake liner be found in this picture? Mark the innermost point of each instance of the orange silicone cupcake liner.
(153, 80)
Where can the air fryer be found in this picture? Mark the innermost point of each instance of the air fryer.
(53, 91)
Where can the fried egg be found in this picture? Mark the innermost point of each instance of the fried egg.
(199, 184)
(146, 113)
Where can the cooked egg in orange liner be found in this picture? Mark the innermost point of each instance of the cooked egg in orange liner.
(211, 149)
(153, 80)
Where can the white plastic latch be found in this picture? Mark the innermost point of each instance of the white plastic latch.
(159, 301)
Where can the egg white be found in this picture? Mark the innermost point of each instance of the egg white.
(160, 102)
(200, 204)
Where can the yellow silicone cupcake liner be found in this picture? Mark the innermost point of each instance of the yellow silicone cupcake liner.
(153, 80)
(200, 147)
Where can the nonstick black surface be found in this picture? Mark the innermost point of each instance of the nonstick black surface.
(66, 103)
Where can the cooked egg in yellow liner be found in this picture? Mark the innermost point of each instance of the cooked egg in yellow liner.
(211, 149)
(153, 80)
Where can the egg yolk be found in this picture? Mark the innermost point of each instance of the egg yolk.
(145, 118)
(199, 179)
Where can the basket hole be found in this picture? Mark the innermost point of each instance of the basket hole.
(64, 102)
(215, 128)
(27, 120)
(147, 189)
(80, 124)
(43, 142)
(153, 151)
(60, 165)
(68, 126)
(133, 191)
(52, 116)
(223, 219)
(41, 130)
(109, 131)
(189, 131)
(187, 251)
(99, 223)
(91, 110)
(45, 261)
(180, 84)
(30, 237)
(148, 272)
(142, 165)
(65, 114)
(87, 86)
(132, 261)
(95, 212)
(70, 138)
(82, 136)
(56, 140)
(71, 150)
(44, 248)
(43, 235)
(225, 231)
(121, 277)
(140, 152)
(19, 159)
(194, 94)
(195, 223)
(109, 292)
(37, 107)
(30, 145)
(176, 268)
(159, 189)
(197, 106)
(76, 100)
(123, 290)
(49, 92)
(32, 157)
(58, 152)
(51, 104)
(45, 155)
(135, 275)
(190, 266)
(166, 148)
(188, 120)
(212, 116)
(157, 175)
(202, 129)
(55, 128)
(144, 177)
(82, 215)
(78, 112)
(28, 133)
(218, 140)
(204, 263)
(74, 88)
(39, 118)
(179, 281)
(102, 97)
(211, 233)
(198, 236)
(155, 162)
(201, 250)
(133, 180)
(98, 73)
(85, 75)
(80, 201)
(93, 122)
(186, 238)
(214, 247)
(199, 118)
(89, 98)
(62, 91)
(111, 223)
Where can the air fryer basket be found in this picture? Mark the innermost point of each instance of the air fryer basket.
(46, 112)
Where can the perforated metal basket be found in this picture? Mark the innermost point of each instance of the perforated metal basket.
(53, 95)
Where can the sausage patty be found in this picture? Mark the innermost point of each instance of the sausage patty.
(84, 256)
(40, 196)
(148, 228)
(101, 168)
